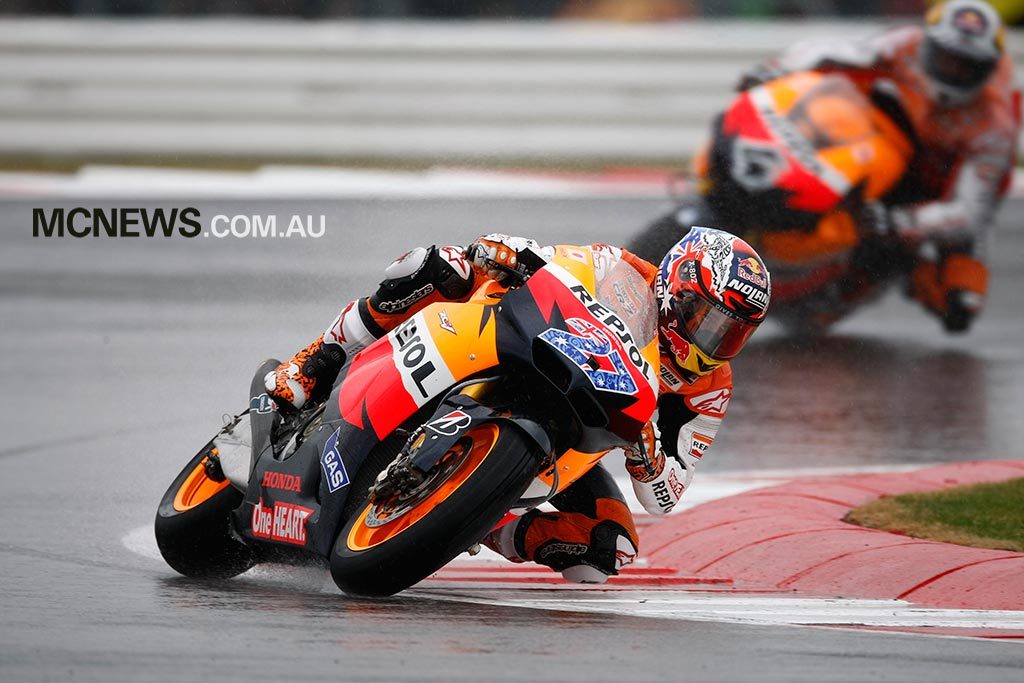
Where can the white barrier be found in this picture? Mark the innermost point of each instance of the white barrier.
(343, 90)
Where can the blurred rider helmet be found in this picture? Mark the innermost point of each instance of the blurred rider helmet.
(963, 41)
(713, 291)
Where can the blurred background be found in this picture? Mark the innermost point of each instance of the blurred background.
(614, 10)
(239, 83)
(367, 114)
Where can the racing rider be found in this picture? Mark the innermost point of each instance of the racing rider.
(955, 83)
(713, 291)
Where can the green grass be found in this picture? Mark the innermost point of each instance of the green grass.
(982, 515)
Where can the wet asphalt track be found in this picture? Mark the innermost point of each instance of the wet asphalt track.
(120, 355)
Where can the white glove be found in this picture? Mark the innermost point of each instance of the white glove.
(874, 218)
(658, 481)
(508, 260)
(645, 461)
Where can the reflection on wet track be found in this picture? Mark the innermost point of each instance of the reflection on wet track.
(122, 355)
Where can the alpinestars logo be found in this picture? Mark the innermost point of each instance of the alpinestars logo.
(713, 403)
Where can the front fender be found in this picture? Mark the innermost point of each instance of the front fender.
(459, 414)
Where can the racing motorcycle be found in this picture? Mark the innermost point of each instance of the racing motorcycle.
(795, 167)
(464, 416)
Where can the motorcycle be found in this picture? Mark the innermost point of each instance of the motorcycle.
(464, 416)
(794, 167)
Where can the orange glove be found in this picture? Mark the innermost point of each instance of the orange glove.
(508, 260)
(646, 461)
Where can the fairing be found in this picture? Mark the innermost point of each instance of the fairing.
(399, 380)
(786, 152)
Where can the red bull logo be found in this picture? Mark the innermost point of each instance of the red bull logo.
(679, 347)
(750, 270)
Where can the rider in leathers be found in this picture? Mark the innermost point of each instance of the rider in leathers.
(592, 534)
(955, 82)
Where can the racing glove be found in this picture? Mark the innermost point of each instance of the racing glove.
(506, 259)
(875, 218)
(658, 481)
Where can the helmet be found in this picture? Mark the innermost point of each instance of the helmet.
(963, 41)
(713, 291)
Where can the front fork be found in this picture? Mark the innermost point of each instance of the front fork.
(459, 412)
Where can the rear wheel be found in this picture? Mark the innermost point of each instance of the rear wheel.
(193, 526)
(387, 546)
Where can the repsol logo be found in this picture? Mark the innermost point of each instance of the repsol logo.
(662, 495)
(613, 321)
(795, 142)
(413, 354)
(755, 295)
(124, 222)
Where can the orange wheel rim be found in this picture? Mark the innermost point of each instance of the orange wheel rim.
(197, 488)
(362, 536)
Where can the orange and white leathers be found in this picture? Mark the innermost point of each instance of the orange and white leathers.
(967, 152)
(688, 415)
(688, 422)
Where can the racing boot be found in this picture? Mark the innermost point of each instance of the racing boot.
(953, 289)
(416, 279)
(311, 372)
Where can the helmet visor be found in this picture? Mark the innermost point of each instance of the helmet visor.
(716, 334)
(954, 68)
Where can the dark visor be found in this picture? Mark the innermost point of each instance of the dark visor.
(716, 334)
(955, 69)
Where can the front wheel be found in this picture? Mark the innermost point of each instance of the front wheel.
(193, 525)
(387, 546)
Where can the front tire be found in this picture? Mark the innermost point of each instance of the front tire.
(382, 558)
(193, 526)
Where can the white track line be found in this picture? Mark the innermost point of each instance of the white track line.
(295, 182)
(739, 608)
(283, 182)
(694, 604)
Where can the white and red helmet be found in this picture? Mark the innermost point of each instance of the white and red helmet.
(963, 42)
(713, 292)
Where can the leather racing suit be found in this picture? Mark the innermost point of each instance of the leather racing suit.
(961, 171)
(592, 534)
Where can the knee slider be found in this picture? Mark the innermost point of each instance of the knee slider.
(608, 550)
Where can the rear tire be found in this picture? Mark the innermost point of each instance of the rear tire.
(392, 563)
(193, 525)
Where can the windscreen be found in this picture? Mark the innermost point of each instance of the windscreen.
(624, 291)
(832, 113)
